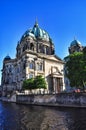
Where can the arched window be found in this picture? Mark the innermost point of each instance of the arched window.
(40, 48)
(31, 46)
(18, 52)
(53, 51)
(31, 75)
(43, 50)
(39, 66)
(31, 65)
(24, 65)
(47, 50)
(18, 70)
(25, 47)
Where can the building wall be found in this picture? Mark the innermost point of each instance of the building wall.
(19, 73)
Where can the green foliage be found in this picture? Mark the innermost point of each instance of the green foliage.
(76, 69)
(28, 84)
(40, 82)
(34, 83)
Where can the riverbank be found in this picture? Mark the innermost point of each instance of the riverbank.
(52, 105)
(74, 100)
(77, 100)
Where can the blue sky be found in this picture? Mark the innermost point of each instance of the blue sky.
(62, 19)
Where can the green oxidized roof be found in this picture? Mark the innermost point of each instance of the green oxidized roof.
(36, 32)
(75, 42)
(7, 58)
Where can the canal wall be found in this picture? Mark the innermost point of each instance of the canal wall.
(11, 98)
(60, 99)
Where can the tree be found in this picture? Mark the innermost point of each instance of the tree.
(75, 69)
(28, 84)
(34, 83)
(40, 82)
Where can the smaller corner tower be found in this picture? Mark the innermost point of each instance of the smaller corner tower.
(75, 46)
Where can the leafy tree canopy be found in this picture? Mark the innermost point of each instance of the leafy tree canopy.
(40, 82)
(28, 84)
(75, 69)
(34, 83)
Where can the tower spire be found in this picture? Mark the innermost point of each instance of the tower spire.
(36, 22)
(74, 37)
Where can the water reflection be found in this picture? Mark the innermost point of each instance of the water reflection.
(76, 119)
(23, 117)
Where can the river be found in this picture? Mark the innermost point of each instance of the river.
(24, 117)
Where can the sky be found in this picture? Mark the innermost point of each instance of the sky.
(62, 19)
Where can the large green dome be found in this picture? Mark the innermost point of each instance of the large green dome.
(35, 40)
(37, 32)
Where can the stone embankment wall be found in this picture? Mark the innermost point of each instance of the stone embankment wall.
(61, 99)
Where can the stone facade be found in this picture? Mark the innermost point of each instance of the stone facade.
(35, 55)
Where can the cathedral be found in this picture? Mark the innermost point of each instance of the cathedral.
(35, 55)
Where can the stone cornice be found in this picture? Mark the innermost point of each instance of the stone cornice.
(54, 58)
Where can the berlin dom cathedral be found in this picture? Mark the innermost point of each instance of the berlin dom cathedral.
(35, 55)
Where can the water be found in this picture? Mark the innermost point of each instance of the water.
(25, 117)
